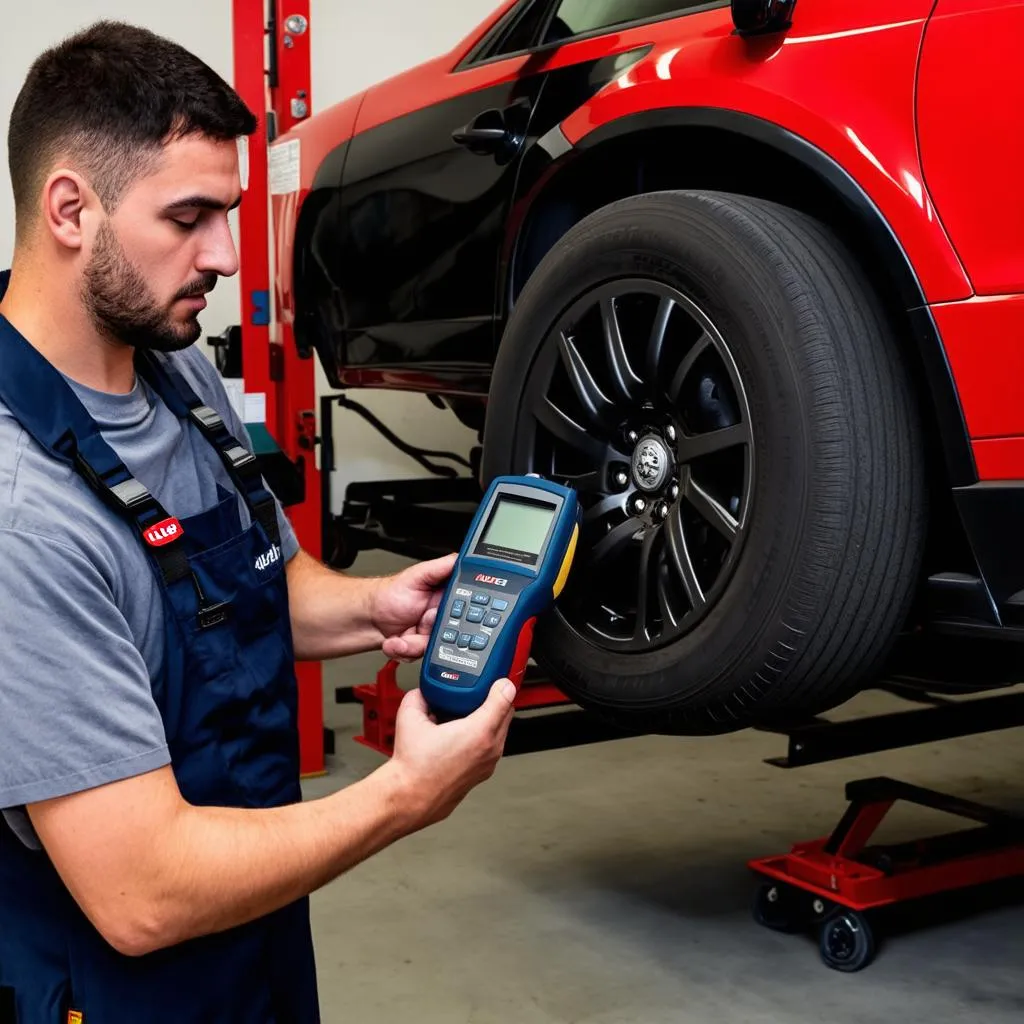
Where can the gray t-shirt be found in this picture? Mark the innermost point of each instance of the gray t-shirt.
(81, 616)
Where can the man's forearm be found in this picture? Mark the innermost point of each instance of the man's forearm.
(255, 861)
(150, 870)
(330, 612)
(199, 870)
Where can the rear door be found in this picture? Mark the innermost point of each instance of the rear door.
(427, 195)
(424, 201)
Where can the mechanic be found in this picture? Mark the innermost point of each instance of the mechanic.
(155, 855)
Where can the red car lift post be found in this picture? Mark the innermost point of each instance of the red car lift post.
(836, 882)
(281, 96)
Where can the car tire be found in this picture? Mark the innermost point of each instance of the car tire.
(823, 554)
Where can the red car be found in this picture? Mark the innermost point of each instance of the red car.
(751, 278)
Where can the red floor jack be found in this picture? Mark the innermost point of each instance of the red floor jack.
(835, 883)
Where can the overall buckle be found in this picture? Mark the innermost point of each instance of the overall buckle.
(239, 457)
(130, 494)
(206, 418)
(211, 615)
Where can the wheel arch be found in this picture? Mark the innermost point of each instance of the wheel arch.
(731, 151)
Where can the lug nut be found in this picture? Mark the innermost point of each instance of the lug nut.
(632, 437)
(639, 505)
(670, 432)
(662, 510)
(673, 491)
(621, 479)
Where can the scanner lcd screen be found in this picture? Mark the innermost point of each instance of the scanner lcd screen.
(517, 529)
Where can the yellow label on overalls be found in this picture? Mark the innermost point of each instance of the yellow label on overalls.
(74, 1017)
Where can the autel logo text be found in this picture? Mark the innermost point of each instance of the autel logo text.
(496, 581)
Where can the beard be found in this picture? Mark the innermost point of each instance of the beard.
(123, 307)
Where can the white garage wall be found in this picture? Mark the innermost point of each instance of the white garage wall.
(354, 44)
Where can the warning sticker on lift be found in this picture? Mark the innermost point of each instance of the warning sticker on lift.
(284, 168)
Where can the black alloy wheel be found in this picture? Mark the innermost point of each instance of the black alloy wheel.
(637, 403)
(717, 379)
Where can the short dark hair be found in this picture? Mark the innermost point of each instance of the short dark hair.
(109, 97)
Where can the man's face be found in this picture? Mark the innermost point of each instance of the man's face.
(164, 247)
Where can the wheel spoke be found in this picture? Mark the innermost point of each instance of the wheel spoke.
(656, 344)
(600, 509)
(613, 543)
(679, 559)
(711, 510)
(626, 382)
(596, 404)
(693, 446)
(687, 365)
(668, 614)
(569, 431)
(641, 632)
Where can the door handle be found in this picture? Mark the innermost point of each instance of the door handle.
(472, 135)
(488, 132)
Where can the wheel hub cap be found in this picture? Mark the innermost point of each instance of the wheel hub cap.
(651, 464)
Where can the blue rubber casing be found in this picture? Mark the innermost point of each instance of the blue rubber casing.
(454, 678)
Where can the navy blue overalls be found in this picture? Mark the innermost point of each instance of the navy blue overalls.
(227, 696)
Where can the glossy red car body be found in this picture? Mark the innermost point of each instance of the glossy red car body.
(914, 99)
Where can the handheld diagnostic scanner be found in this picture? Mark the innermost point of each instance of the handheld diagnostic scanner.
(512, 566)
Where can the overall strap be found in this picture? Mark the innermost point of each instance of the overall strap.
(242, 465)
(45, 405)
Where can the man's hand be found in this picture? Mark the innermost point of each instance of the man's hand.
(334, 614)
(404, 606)
(150, 870)
(438, 765)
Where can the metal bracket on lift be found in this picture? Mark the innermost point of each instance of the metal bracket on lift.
(423, 517)
(817, 740)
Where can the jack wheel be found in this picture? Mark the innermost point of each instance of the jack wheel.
(847, 942)
(779, 908)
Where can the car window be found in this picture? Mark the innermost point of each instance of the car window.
(524, 32)
(517, 32)
(576, 17)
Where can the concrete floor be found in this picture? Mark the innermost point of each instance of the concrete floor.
(607, 884)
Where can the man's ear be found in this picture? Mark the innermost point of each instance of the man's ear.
(66, 197)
